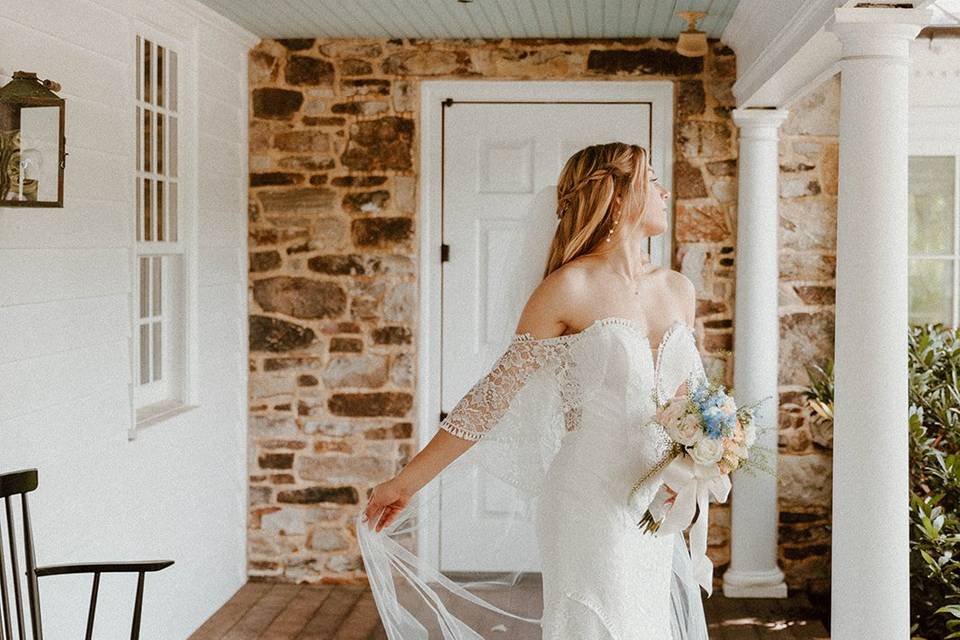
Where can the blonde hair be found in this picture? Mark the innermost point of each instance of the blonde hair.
(589, 182)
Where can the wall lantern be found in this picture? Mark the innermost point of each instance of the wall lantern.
(692, 42)
(32, 142)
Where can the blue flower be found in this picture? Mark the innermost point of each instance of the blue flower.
(714, 419)
(700, 393)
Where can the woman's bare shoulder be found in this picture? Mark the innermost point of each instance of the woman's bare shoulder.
(684, 290)
(678, 281)
(546, 311)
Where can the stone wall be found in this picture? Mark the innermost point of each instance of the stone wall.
(333, 258)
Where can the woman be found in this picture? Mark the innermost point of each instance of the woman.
(563, 417)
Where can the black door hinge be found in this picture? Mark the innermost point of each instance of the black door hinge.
(444, 252)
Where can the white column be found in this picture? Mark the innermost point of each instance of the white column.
(870, 577)
(753, 571)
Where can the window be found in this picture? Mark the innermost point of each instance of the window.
(934, 212)
(159, 335)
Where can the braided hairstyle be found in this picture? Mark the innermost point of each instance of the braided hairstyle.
(589, 182)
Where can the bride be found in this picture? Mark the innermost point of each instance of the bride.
(561, 423)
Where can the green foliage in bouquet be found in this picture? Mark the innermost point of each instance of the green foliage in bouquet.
(934, 441)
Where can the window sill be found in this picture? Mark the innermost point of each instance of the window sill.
(159, 412)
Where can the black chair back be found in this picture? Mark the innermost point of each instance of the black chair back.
(18, 483)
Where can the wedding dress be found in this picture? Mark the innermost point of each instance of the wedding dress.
(564, 424)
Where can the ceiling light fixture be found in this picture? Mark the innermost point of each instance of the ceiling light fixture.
(692, 42)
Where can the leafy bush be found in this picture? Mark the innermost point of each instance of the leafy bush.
(934, 481)
(934, 441)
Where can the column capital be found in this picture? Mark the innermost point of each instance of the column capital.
(759, 117)
(759, 123)
(877, 32)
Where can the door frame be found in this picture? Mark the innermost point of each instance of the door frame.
(660, 95)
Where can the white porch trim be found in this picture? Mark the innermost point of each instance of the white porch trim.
(780, 56)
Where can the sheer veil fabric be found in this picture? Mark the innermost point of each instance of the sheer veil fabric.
(561, 432)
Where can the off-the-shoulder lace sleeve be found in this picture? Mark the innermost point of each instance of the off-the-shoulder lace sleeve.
(486, 402)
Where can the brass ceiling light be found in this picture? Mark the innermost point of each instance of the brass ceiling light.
(692, 42)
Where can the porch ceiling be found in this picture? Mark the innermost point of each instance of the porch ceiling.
(476, 19)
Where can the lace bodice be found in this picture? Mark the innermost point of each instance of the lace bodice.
(488, 399)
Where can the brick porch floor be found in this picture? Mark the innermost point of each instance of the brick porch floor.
(267, 611)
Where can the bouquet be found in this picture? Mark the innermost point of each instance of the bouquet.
(710, 437)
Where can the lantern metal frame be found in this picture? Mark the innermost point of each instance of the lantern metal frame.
(27, 90)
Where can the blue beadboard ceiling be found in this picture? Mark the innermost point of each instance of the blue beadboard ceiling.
(477, 19)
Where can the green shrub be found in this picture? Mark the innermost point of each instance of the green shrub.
(934, 442)
(934, 481)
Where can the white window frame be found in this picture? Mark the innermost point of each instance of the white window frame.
(935, 131)
(178, 391)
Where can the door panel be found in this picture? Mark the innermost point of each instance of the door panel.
(501, 162)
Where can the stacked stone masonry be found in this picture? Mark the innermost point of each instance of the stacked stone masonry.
(333, 273)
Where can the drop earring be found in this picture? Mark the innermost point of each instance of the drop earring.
(610, 232)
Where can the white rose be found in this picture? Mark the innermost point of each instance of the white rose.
(707, 451)
(672, 411)
(687, 431)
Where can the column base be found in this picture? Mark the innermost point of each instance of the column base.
(754, 584)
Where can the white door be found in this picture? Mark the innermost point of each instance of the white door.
(501, 161)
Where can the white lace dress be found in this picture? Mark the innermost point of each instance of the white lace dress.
(565, 421)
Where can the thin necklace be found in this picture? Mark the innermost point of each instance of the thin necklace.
(629, 279)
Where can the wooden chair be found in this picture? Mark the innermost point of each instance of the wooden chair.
(22, 482)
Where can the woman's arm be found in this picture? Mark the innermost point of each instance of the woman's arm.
(443, 448)
(480, 408)
(392, 496)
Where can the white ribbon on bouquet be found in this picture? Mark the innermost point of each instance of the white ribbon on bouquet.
(693, 485)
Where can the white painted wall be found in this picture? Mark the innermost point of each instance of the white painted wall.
(935, 74)
(178, 490)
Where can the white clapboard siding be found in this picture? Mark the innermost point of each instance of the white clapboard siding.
(218, 85)
(89, 222)
(219, 265)
(219, 125)
(99, 81)
(51, 327)
(39, 275)
(220, 188)
(59, 378)
(220, 156)
(219, 227)
(178, 490)
(87, 23)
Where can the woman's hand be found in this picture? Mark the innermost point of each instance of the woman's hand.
(386, 501)
(673, 495)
